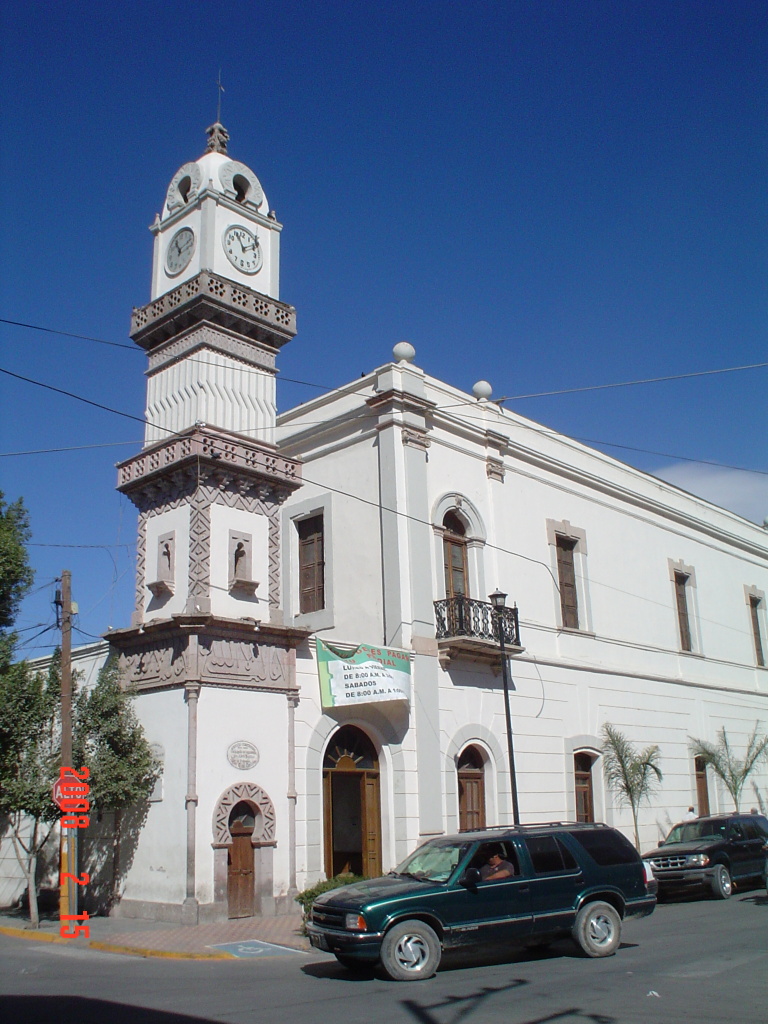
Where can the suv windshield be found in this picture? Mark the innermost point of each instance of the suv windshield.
(702, 828)
(433, 862)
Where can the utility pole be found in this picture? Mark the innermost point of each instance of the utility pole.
(68, 842)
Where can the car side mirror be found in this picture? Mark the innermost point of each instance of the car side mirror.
(470, 879)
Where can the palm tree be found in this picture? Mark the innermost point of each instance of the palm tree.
(731, 769)
(631, 774)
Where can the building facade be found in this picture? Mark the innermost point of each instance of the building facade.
(358, 537)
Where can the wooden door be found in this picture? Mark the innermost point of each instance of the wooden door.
(351, 805)
(371, 825)
(240, 876)
(471, 800)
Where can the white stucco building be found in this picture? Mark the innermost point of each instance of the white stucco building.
(384, 514)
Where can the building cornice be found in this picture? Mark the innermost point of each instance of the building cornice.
(204, 453)
(209, 298)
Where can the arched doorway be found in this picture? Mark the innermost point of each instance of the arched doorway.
(585, 801)
(240, 873)
(351, 805)
(471, 777)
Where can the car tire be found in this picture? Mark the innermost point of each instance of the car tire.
(353, 964)
(597, 929)
(410, 951)
(722, 886)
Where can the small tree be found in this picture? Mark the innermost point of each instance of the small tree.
(632, 775)
(30, 736)
(734, 771)
(110, 741)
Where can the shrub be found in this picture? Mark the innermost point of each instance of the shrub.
(305, 898)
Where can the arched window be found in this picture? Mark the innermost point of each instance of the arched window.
(585, 803)
(351, 805)
(471, 777)
(455, 556)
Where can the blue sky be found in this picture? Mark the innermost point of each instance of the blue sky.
(547, 195)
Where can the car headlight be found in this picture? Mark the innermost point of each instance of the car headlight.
(355, 923)
(697, 860)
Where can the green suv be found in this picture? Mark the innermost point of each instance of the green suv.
(523, 885)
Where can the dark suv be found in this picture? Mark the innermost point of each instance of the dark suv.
(716, 852)
(525, 884)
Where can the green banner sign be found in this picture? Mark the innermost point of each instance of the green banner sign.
(362, 676)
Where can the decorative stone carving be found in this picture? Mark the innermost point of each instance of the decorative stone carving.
(264, 812)
(494, 469)
(243, 755)
(216, 340)
(238, 454)
(227, 174)
(256, 315)
(160, 662)
(176, 197)
(416, 438)
(243, 662)
(218, 137)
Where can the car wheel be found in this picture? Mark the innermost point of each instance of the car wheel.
(597, 929)
(353, 964)
(410, 951)
(722, 886)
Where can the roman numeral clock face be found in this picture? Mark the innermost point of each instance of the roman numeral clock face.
(243, 249)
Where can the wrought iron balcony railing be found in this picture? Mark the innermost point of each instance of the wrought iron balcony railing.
(476, 620)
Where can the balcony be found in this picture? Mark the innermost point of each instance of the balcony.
(468, 629)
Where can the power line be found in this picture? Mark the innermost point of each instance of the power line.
(540, 430)
(631, 383)
(71, 448)
(506, 398)
(70, 394)
(67, 334)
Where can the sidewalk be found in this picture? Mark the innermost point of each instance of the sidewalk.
(158, 938)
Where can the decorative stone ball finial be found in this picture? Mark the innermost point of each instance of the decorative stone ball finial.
(404, 352)
(482, 391)
(218, 137)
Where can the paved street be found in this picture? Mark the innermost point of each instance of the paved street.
(699, 960)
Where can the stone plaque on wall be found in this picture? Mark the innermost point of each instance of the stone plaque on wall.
(242, 755)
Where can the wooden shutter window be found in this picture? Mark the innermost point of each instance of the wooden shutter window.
(311, 564)
(754, 607)
(681, 598)
(702, 792)
(455, 556)
(566, 573)
(585, 803)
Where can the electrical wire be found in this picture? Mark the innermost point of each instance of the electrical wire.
(545, 431)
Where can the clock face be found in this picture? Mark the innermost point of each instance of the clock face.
(179, 252)
(243, 249)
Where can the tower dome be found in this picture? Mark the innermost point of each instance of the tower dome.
(215, 217)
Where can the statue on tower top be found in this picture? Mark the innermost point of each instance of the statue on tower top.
(218, 137)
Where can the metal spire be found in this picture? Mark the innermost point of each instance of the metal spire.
(218, 136)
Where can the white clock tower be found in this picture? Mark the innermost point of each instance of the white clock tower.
(208, 485)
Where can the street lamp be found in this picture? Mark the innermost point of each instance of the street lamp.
(498, 600)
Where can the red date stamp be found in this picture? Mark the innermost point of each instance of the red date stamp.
(71, 794)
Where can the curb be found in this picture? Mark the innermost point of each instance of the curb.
(31, 933)
(106, 947)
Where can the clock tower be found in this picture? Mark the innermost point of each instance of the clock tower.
(208, 485)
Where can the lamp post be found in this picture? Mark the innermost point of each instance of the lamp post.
(498, 600)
